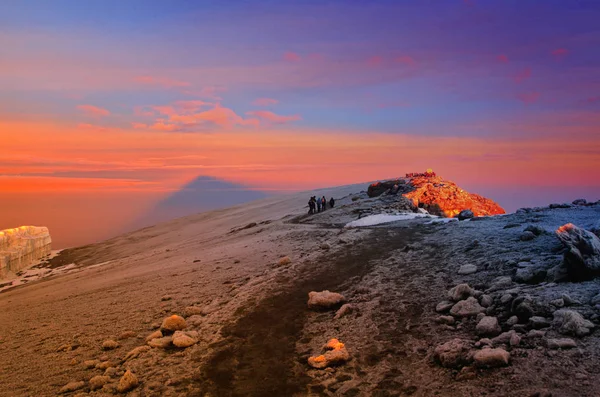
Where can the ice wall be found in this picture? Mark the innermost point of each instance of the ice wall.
(22, 246)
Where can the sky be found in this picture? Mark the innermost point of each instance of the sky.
(110, 107)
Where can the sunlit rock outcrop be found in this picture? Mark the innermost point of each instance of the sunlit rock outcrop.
(22, 246)
(436, 195)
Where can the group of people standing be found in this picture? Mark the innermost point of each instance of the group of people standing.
(318, 204)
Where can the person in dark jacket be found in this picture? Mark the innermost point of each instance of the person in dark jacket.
(324, 203)
(311, 206)
(331, 202)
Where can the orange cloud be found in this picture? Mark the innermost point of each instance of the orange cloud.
(272, 117)
(265, 102)
(93, 111)
(161, 81)
(291, 57)
(86, 126)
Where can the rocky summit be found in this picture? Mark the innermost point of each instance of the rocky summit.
(437, 196)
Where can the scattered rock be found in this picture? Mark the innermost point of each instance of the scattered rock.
(128, 382)
(72, 386)
(444, 306)
(488, 326)
(136, 352)
(467, 269)
(454, 353)
(486, 301)
(466, 308)
(561, 343)
(335, 354)
(466, 373)
(173, 323)
(324, 299)
(465, 214)
(571, 322)
(537, 322)
(192, 311)
(183, 339)
(154, 335)
(166, 298)
(530, 275)
(127, 335)
(344, 310)
(111, 371)
(491, 358)
(527, 236)
(284, 261)
(325, 246)
(109, 344)
(161, 343)
(582, 258)
(98, 381)
(512, 320)
(515, 339)
(504, 338)
(446, 320)
(569, 301)
(522, 309)
(89, 364)
(558, 302)
(506, 298)
(104, 364)
(579, 202)
(535, 229)
(535, 333)
(460, 292)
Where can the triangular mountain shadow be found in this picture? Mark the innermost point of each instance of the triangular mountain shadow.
(204, 193)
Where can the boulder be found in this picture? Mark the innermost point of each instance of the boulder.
(127, 382)
(486, 300)
(465, 214)
(192, 311)
(467, 308)
(324, 300)
(21, 247)
(488, 326)
(537, 322)
(183, 339)
(491, 358)
(173, 323)
(454, 353)
(460, 292)
(161, 343)
(561, 343)
(109, 344)
(98, 381)
(467, 269)
(571, 322)
(582, 258)
(530, 275)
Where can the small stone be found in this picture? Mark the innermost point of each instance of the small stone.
(460, 292)
(483, 342)
(527, 236)
(444, 306)
(344, 310)
(488, 326)
(486, 300)
(325, 246)
(504, 338)
(166, 298)
(571, 322)
(284, 261)
(446, 320)
(161, 343)
(523, 311)
(535, 333)
(558, 302)
(89, 364)
(128, 382)
(512, 320)
(109, 344)
(506, 298)
(515, 340)
(491, 358)
(97, 382)
(136, 352)
(536, 230)
(173, 323)
(191, 311)
(127, 335)
(72, 386)
(183, 339)
(569, 301)
(537, 322)
(111, 371)
(561, 343)
(466, 308)
(103, 365)
(467, 269)
(324, 299)
(466, 373)
(154, 335)
(454, 353)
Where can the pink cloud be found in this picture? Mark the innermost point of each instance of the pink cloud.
(560, 53)
(272, 117)
(529, 97)
(522, 75)
(375, 61)
(161, 81)
(160, 125)
(592, 100)
(265, 102)
(192, 105)
(502, 58)
(291, 57)
(93, 111)
(139, 126)
(86, 126)
(405, 59)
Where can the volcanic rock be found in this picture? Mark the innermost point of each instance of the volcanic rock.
(460, 292)
(527, 236)
(324, 299)
(443, 306)
(467, 269)
(161, 343)
(467, 308)
(561, 343)
(98, 381)
(156, 334)
(284, 261)
(109, 344)
(571, 322)
(127, 382)
(454, 353)
(378, 188)
(72, 386)
(491, 358)
(183, 339)
(488, 326)
(582, 258)
(173, 323)
(465, 214)
(136, 352)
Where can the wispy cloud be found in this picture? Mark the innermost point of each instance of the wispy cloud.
(93, 111)
(559, 53)
(272, 117)
(522, 75)
(291, 57)
(502, 58)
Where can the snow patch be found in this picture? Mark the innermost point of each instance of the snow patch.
(379, 219)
